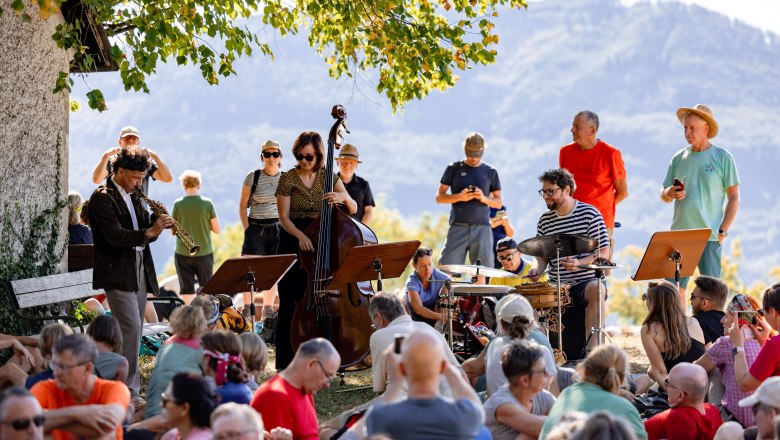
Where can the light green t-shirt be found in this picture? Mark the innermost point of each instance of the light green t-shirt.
(194, 213)
(708, 174)
(589, 398)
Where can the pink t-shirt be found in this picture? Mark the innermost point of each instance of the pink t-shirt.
(767, 363)
(595, 172)
(281, 404)
(684, 423)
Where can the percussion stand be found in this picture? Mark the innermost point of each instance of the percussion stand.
(558, 248)
(599, 330)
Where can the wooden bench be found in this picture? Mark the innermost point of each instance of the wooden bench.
(53, 289)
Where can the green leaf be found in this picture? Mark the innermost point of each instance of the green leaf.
(18, 6)
(96, 100)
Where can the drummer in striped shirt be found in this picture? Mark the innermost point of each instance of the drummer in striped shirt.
(569, 216)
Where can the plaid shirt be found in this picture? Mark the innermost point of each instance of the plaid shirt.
(720, 354)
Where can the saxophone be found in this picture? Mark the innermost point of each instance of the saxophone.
(178, 230)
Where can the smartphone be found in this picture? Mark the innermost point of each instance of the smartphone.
(749, 317)
(472, 188)
(679, 184)
(398, 340)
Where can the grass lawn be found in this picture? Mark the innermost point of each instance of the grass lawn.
(341, 397)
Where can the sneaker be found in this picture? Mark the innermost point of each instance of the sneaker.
(259, 327)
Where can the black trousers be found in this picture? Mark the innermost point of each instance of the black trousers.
(292, 287)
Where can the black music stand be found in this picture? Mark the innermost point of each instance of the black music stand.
(375, 262)
(667, 251)
(238, 275)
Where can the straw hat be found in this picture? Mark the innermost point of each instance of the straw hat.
(349, 151)
(705, 113)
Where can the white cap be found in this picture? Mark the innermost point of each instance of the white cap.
(129, 131)
(516, 306)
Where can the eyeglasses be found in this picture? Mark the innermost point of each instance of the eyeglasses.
(274, 154)
(164, 399)
(308, 157)
(22, 424)
(542, 371)
(65, 368)
(232, 435)
(548, 192)
(670, 385)
(328, 376)
(507, 257)
(703, 298)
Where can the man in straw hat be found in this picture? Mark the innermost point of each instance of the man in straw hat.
(700, 177)
(475, 189)
(357, 187)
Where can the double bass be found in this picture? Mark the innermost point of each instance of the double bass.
(337, 312)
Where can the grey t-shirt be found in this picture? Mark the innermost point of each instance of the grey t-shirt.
(262, 204)
(542, 402)
(421, 419)
(494, 375)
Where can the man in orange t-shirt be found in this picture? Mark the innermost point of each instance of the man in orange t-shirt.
(597, 168)
(76, 403)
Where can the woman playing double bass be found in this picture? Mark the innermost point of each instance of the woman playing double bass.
(299, 197)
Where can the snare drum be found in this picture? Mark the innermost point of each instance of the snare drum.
(543, 295)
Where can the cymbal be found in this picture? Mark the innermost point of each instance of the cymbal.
(478, 290)
(545, 245)
(599, 267)
(472, 269)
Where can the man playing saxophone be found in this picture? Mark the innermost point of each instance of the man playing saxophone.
(122, 230)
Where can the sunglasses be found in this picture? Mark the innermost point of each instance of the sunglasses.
(22, 424)
(644, 297)
(508, 257)
(274, 154)
(308, 157)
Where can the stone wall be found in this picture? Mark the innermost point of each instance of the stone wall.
(33, 156)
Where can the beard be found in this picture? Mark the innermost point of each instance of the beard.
(553, 205)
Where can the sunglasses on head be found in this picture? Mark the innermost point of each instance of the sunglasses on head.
(22, 424)
(308, 157)
(274, 154)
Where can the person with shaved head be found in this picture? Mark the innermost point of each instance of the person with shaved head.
(689, 417)
(425, 413)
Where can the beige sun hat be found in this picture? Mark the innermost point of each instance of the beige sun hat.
(349, 151)
(703, 112)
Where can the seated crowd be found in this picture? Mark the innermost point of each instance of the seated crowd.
(720, 381)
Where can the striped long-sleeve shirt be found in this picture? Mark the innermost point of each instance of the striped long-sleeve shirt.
(585, 220)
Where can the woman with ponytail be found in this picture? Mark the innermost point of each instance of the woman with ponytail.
(602, 374)
(78, 232)
(223, 364)
(515, 322)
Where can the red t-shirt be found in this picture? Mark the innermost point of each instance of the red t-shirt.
(595, 172)
(105, 392)
(281, 404)
(767, 364)
(684, 423)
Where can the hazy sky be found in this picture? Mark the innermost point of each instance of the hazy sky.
(764, 14)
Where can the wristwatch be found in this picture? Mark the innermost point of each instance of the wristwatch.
(736, 350)
(723, 233)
